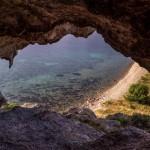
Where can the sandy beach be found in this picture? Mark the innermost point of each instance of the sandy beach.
(118, 90)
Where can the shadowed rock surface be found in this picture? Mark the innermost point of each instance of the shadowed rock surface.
(32, 129)
(2, 100)
(125, 139)
(87, 116)
(124, 24)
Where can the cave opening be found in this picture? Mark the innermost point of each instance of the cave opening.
(69, 73)
(72, 72)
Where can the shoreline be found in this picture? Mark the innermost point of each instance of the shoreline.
(116, 91)
(123, 82)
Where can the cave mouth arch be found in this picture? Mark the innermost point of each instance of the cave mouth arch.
(123, 24)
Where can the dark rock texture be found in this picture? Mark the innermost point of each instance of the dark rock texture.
(87, 116)
(34, 129)
(129, 138)
(124, 24)
(31, 129)
(2, 100)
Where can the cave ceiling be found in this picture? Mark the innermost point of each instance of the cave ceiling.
(124, 24)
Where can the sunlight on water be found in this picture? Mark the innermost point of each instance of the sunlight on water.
(62, 74)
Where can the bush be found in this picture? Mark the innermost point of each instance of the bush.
(122, 121)
(138, 93)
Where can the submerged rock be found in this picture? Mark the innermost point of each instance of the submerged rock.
(76, 74)
(59, 75)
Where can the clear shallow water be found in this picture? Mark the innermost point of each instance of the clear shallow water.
(62, 74)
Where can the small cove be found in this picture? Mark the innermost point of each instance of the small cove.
(63, 74)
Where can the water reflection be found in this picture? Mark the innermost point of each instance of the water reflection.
(62, 74)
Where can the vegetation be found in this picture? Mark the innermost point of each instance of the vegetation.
(145, 80)
(123, 121)
(133, 112)
(122, 106)
(139, 93)
(9, 106)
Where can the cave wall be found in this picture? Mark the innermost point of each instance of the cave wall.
(124, 24)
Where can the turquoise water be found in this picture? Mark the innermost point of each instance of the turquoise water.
(62, 74)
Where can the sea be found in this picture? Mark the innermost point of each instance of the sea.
(64, 74)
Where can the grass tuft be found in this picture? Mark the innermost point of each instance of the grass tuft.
(9, 106)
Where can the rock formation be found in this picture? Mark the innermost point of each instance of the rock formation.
(2, 100)
(124, 24)
(35, 129)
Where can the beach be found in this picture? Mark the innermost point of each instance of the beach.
(119, 89)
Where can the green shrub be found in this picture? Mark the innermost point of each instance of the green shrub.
(138, 93)
(122, 121)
